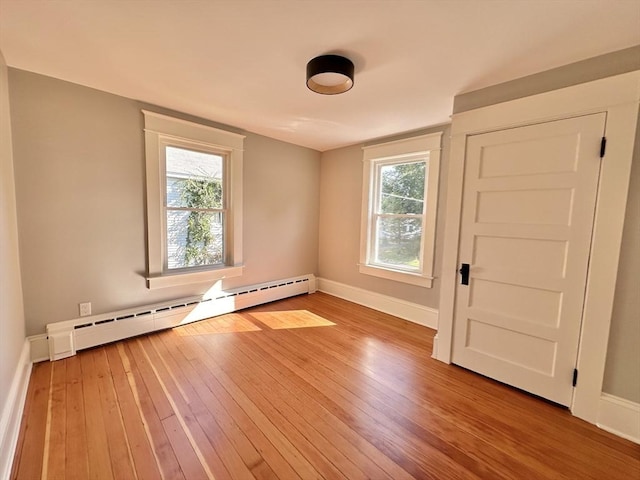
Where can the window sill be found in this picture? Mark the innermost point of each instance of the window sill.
(398, 276)
(187, 278)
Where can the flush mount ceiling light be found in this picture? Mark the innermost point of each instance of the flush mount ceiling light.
(330, 74)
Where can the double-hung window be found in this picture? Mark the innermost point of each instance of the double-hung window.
(195, 207)
(194, 202)
(399, 209)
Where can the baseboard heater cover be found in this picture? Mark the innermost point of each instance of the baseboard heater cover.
(67, 337)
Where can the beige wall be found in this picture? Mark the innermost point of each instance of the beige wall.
(12, 328)
(622, 373)
(340, 205)
(79, 160)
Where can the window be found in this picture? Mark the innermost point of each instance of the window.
(399, 209)
(194, 207)
(194, 202)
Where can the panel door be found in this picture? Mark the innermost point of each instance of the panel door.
(527, 218)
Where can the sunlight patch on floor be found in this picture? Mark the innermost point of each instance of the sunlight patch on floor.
(229, 323)
(291, 319)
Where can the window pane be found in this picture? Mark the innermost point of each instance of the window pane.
(402, 188)
(194, 238)
(194, 179)
(397, 242)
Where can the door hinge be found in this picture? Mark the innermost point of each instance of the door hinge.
(603, 146)
(575, 377)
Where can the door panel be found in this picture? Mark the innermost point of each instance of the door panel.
(528, 207)
(527, 217)
(516, 348)
(518, 302)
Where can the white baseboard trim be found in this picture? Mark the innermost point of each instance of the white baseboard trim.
(434, 352)
(620, 417)
(12, 411)
(412, 312)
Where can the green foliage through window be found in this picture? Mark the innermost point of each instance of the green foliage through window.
(402, 188)
(402, 194)
(201, 194)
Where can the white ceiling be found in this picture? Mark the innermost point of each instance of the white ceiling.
(242, 62)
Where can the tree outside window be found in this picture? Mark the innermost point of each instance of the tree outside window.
(399, 212)
(195, 208)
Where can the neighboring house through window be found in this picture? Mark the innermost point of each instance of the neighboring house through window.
(194, 201)
(400, 193)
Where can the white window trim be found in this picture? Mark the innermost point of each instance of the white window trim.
(398, 150)
(161, 130)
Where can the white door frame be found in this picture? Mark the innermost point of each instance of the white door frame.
(618, 96)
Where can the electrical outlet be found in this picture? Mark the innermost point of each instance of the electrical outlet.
(85, 309)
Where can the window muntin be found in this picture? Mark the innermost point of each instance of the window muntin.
(398, 215)
(195, 210)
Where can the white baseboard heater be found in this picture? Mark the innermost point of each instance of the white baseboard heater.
(67, 337)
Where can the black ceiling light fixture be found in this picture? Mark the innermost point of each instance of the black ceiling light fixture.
(330, 74)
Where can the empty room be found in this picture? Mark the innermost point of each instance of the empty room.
(319, 239)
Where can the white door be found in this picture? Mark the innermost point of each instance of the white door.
(527, 218)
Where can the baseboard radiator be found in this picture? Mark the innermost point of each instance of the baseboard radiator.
(67, 337)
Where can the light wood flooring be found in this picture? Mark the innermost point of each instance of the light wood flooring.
(308, 387)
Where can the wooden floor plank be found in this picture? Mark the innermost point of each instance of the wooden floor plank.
(296, 402)
(464, 411)
(163, 451)
(263, 386)
(56, 464)
(142, 454)
(490, 404)
(97, 443)
(250, 442)
(187, 458)
(144, 369)
(461, 411)
(303, 394)
(119, 447)
(231, 443)
(195, 423)
(35, 424)
(77, 457)
(300, 453)
(415, 456)
(428, 423)
(312, 387)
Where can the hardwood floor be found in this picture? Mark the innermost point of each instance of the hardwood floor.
(308, 387)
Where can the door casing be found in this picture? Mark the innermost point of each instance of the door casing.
(618, 97)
